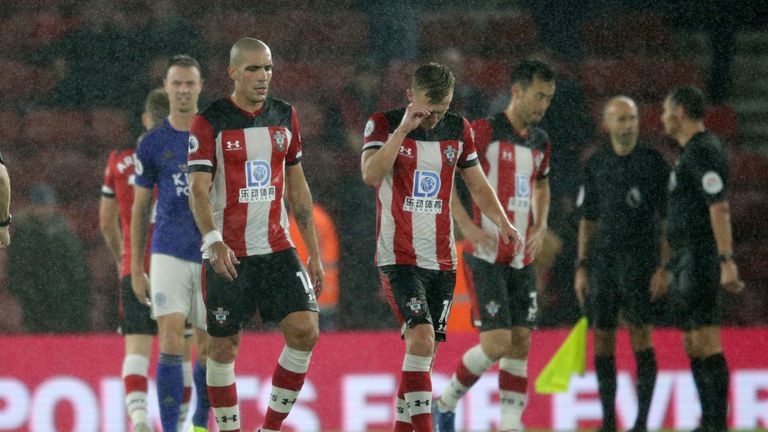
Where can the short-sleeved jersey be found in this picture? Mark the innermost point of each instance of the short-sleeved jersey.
(247, 153)
(118, 185)
(627, 195)
(699, 179)
(413, 222)
(512, 162)
(161, 160)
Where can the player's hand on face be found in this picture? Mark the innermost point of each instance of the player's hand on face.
(5, 237)
(659, 283)
(535, 241)
(509, 233)
(729, 277)
(480, 239)
(414, 115)
(223, 260)
(581, 285)
(316, 274)
(141, 290)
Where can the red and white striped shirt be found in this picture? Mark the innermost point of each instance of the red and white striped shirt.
(512, 161)
(413, 221)
(247, 154)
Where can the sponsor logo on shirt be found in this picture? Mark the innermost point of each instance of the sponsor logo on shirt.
(522, 199)
(426, 185)
(258, 178)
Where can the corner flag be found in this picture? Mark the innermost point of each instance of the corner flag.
(570, 357)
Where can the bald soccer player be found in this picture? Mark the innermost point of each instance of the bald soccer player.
(252, 144)
(621, 248)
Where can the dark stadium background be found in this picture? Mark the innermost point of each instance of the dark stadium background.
(71, 92)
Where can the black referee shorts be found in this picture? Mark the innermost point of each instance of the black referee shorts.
(619, 282)
(696, 299)
(135, 318)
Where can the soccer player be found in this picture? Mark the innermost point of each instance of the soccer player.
(514, 154)
(410, 155)
(701, 248)
(244, 158)
(621, 247)
(175, 269)
(5, 204)
(136, 322)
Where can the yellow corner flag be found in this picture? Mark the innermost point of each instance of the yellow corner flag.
(570, 357)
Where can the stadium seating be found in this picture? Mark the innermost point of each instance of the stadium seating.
(56, 127)
(626, 33)
(110, 127)
(10, 127)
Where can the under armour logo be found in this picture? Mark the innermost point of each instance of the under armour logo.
(418, 403)
(287, 401)
(506, 155)
(225, 419)
(233, 145)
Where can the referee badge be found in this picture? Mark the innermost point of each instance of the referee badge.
(194, 144)
(712, 183)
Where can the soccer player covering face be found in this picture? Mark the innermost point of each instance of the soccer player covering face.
(410, 155)
(514, 154)
(174, 276)
(244, 158)
(701, 248)
(136, 322)
(621, 248)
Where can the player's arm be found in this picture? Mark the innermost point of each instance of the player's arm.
(480, 239)
(660, 278)
(540, 210)
(109, 224)
(587, 228)
(720, 218)
(485, 198)
(375, 164)
(300, 199)
(5, 204)
(221, 257)
(140, 215)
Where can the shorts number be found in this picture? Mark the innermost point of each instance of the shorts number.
(444, 315)
(307, 285)
(533, 308)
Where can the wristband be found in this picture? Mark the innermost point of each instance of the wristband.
(6, 222)
(725, 257)
(210, 238)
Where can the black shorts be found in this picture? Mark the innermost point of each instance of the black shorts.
(135, 318)
(274, 284)
(502, 296)
(621, 282)
(696, 299)
(419, 296)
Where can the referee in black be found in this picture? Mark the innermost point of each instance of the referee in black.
(701, 248)
(620, 249)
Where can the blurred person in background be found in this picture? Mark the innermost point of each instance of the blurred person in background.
(514, 154)
(621, 247)
(136, 322)
(701, 265)
(5, 204)
(58, 297)
(410, 156)
(174, 283)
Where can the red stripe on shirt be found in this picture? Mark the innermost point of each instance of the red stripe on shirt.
(278, 240)
(402, 187)
(443, 220)
(505, 189)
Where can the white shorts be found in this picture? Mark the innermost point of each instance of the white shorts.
(176, 288)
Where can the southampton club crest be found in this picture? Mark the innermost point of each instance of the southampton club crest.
(450, 154)
(417, 306)
(221, 316)
(279, 138)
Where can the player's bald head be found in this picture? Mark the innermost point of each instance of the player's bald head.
(617, 105)
(245, 45)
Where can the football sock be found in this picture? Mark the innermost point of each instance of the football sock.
(134, 374)
(417, 390)
(170, 389)
(646, 381)
(472, 365)
(513, 385)
(702, 388)
(222, 392)
(287, 381)
(402, 416)
(203, 405)
(716, 370)
(187, 394)
(605, 366)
